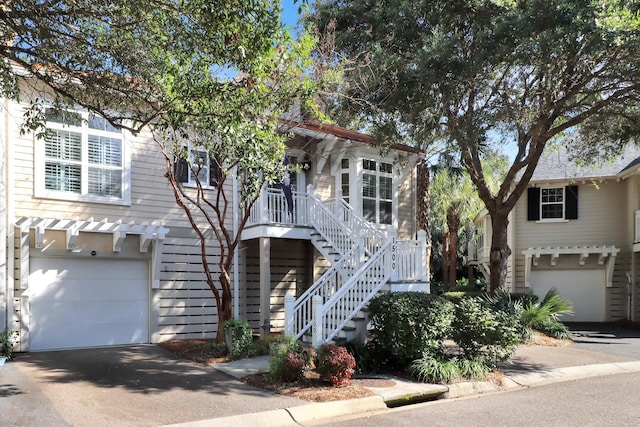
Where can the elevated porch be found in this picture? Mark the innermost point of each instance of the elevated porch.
(361, 261)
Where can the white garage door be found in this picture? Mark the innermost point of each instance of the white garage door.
(584, 288)
(87, 302)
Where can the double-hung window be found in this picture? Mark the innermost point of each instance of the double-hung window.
(199, 168)
(344, 179)
(552, 203)
(83, 159)
(377, 191)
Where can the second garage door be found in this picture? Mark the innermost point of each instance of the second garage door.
(584, 288)
(87, 303)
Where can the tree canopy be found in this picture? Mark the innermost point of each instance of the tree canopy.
(474, 74)
(198, 75)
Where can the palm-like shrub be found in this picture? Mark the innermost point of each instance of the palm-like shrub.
(543, 315)
(532, 313)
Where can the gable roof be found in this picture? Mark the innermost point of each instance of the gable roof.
(556, 164)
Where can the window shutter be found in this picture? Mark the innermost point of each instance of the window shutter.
(214, 172)
(181, 169)
(571, 203)
(533, 204)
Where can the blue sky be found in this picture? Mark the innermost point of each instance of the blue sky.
(290, 12)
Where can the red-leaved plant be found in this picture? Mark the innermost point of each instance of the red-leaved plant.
(335, 365)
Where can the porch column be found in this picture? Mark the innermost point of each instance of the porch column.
(265, 285)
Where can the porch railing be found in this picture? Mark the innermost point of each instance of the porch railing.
(369, 259)
(410, 260)
(272, 208)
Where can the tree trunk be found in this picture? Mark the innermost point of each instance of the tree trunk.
(423, 208)
(445, 259)
(500, 251)
(224, 307)
(469, 235)
(453, 224)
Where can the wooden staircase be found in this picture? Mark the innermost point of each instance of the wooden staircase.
(363, 263)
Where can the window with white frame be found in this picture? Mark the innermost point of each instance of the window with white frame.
(83, 158)
(200, 164)
(344, 179)
(377, 191)
(552, 203)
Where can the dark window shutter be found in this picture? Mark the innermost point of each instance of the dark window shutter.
(571, 202)
(533, 203)
(181, 169)
(214, 173)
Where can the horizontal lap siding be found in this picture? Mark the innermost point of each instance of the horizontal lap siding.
(184, 304)
(152, 199)
(288, 275)
(616, 295)
(602, 220)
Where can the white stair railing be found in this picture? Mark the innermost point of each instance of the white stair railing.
(369, 260)
(300, 314)
(331, 317)
(328, 225)
(373, 238)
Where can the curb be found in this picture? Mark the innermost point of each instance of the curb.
(296, 415)
(315, 412)
(551, 376)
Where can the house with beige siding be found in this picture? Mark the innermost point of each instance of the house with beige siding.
(98, 253)
(577, 228)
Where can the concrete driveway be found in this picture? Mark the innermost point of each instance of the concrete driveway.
(121, 386)
(607, 338)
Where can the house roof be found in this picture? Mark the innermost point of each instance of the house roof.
(319, 129)
(557, 164)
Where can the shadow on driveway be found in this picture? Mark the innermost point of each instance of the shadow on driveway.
(609, 337)
(141, 385)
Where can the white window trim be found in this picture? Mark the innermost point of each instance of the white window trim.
(191, 183)
(564, 205)
(356, 173)
(39, 167)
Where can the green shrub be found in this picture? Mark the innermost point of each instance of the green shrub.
(6, 343)
(407, 325)
(485, 334)
(554, 329)
(289, 359)
(366, 362)
(532, 313)
(335, 365)
(435, 369)
(539, 315)
(446, 369)
(456, 295)
(241, 345)
(473, 369)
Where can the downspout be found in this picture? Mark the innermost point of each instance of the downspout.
(236, 273)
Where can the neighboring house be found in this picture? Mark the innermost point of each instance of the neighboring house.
(577, 228)
(98, 253)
